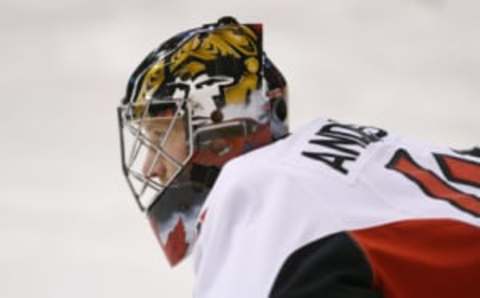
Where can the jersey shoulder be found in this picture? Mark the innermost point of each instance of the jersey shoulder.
(324, 179)
(329, 163)
(322, 148)
(328, 141)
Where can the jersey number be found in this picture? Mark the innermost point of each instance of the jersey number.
(455, 169)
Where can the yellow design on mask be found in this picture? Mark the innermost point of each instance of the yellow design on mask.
(237, 42)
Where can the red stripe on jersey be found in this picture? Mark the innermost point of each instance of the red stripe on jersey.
(460, 170)
(423, 258)
(433, 185)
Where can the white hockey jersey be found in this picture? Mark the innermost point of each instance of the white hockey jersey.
(338, 210)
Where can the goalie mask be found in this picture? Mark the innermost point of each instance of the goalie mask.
(202, 98)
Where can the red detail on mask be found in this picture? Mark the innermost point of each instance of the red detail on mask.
(258, 28)
(176, 246)
(234, 146)
(279, 92)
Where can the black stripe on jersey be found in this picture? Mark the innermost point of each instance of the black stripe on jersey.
(474, 152)
(331, 267)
